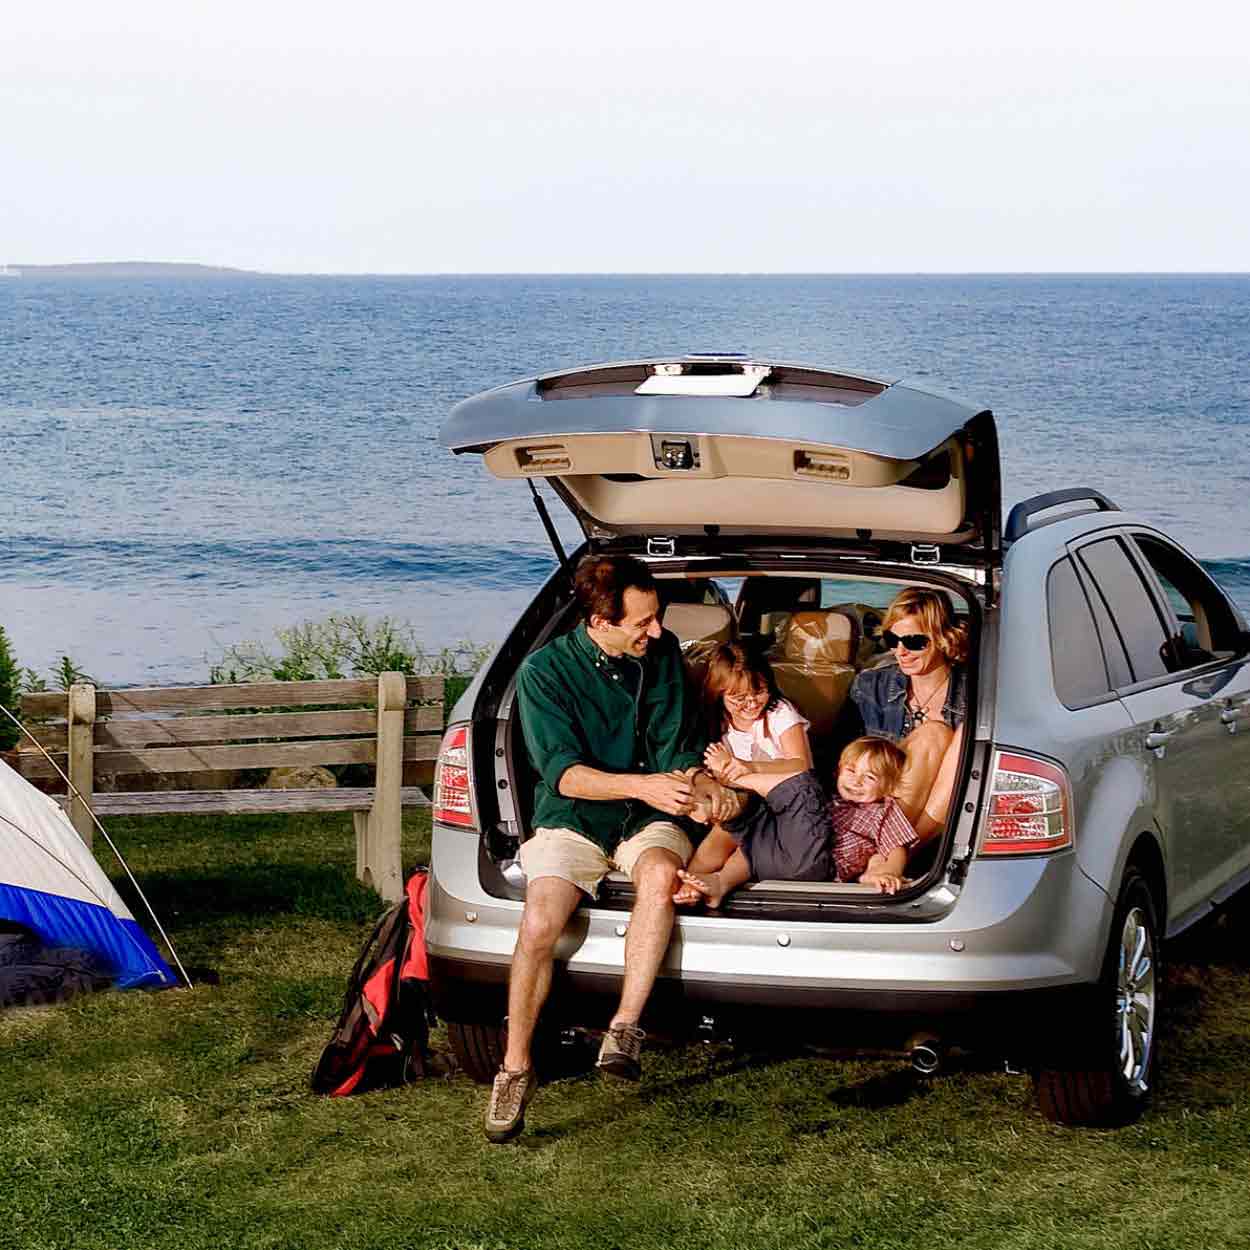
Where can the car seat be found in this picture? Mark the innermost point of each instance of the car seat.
(812, 659)
(699, 622)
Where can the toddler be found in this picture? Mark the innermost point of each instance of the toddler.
(796, 834)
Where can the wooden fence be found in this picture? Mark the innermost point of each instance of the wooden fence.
(392, 723)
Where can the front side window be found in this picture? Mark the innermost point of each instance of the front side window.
(1207, 628)
(1130, 607)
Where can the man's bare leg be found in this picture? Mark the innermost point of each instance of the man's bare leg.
(549, 902)
(650, 927)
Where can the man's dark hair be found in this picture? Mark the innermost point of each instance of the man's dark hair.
(600, 584)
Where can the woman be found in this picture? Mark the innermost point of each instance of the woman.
(919, 699)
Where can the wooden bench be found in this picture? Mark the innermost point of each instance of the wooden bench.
(388, 722)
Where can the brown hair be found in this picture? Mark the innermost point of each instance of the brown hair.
(885, 758)
(600, 583)
(933, 610)
(728, 666)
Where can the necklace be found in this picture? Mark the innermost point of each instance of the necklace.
(920, 711)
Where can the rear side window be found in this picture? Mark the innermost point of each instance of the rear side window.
(1076, 657)
(1130, 606)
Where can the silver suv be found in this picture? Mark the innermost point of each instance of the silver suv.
(1109, 718)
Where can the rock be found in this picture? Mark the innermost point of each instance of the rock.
(309, 777)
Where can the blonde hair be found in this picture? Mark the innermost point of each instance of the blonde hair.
(933, 610)
(886, 759)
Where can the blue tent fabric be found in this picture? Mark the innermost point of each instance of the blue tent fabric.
(131, 958)
(54, 893)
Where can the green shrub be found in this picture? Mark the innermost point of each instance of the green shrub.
(346, 646)
(10, 691)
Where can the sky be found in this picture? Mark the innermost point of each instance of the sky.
(650, 137)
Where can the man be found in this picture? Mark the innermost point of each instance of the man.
(618, 747)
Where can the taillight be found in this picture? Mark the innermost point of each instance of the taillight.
(453, 786)
(1029, 809)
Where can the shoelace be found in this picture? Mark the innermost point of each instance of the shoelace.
(629, 1039)
(508, 1092)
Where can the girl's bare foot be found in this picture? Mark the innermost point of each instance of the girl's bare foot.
(707, 887)
(686, 895)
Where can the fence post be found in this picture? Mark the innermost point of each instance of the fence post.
(378, 859)
(80, 721)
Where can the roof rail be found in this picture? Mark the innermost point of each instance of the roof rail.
(1020, 516)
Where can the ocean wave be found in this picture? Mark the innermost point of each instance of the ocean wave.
(227, 565)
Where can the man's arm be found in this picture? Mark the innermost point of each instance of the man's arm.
(666, 792)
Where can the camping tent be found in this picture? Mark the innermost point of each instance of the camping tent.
(62, 924)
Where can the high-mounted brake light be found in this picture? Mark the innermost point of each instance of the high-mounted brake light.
(453, 783)
(1030, 807)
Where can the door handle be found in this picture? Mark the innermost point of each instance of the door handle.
(1159, 738)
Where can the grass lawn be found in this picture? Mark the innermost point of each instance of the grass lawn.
(183, 1119)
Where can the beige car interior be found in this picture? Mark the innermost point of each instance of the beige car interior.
(739, 483)
(814, 652)
(699, 622)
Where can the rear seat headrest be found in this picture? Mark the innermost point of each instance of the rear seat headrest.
(692, 622)
(818, 637)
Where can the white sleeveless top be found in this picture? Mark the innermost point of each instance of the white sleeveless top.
(755, 744)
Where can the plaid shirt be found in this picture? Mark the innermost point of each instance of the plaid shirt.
(860, 830)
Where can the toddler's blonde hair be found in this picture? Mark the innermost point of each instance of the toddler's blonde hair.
(886, 759)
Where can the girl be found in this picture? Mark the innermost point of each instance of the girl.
(748, 721)
(753, 730)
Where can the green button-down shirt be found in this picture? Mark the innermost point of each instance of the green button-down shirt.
(581, 706)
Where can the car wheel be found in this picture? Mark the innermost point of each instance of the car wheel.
(1107, 1078)
(478, 1048)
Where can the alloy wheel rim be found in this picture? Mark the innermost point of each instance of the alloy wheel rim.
(1136, 999)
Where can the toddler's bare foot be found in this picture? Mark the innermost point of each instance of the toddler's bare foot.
(701, 813)
(707, 886)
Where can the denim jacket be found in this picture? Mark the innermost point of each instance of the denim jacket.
(880, 695)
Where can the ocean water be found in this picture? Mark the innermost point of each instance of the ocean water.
(187, 464)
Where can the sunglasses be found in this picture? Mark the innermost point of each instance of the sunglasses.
(913, 642)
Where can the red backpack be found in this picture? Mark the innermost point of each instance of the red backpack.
(382, 1036)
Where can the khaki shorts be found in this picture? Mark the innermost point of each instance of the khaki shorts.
(570, 856)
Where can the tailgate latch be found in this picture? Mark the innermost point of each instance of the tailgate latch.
(661, 546)
(926, 553)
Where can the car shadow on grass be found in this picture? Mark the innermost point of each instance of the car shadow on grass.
(706, 1066)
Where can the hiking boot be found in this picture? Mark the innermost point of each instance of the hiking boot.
(509, 1096)
(619, 1054)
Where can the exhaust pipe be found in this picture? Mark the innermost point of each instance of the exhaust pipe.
(926, 1053)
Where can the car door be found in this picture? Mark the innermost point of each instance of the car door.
(1168, 723)
(1169, 689)
(1214, 674)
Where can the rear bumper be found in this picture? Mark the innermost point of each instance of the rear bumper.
(1021, 941)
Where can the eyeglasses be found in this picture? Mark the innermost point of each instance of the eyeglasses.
(913, 642)
(741, 700)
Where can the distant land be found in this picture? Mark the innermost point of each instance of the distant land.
(127, 269)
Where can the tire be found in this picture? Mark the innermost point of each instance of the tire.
(478, 1048)
(1106, 1079)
